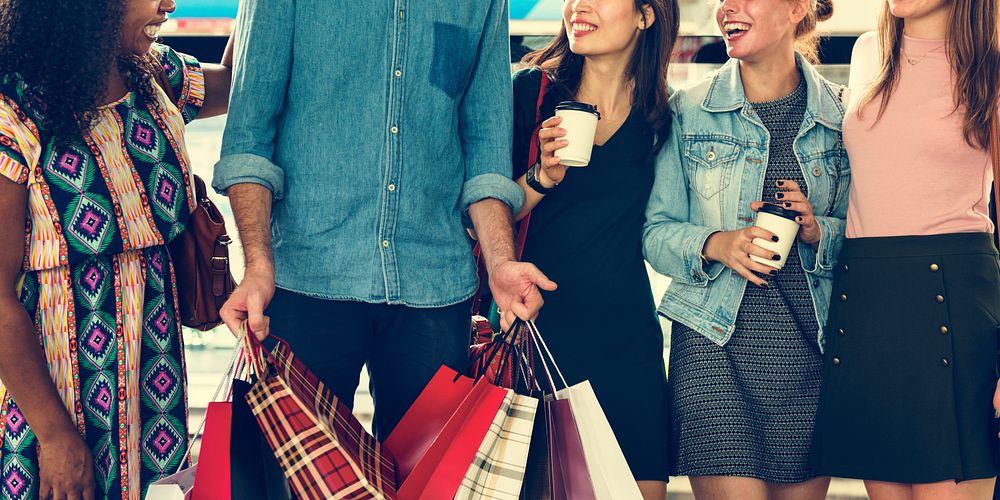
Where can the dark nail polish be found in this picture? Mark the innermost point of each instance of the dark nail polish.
(788, 205)
(773, 273)
(776, 257)
(779, 195)
(780, 183)
(774, 238)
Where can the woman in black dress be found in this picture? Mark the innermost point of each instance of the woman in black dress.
(586, 223)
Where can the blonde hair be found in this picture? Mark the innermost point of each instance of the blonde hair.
(806, 37)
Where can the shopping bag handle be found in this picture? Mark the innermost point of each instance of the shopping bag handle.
(543, 352)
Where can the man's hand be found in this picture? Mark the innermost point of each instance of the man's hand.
(515, 289)
(248, 302)
(66, 467)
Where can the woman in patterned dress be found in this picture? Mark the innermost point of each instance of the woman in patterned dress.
(94, 182)
(744, 374)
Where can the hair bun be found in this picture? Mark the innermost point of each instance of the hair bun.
(824, 9)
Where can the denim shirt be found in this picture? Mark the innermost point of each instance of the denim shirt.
(374, 125)
(710, 170)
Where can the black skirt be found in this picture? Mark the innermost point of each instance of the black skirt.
(909, 367)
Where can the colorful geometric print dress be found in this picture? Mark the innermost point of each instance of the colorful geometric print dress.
(99, 283)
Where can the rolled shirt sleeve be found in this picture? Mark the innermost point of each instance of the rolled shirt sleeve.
(262, 70)
(486, 143)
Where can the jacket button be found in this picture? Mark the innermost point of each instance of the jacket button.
(944, 362)
(934, 268)
(711, 155)
(944, 330)
(939, 298)
(815, 283)
(817, 172)
(843, 297)
(836, 361)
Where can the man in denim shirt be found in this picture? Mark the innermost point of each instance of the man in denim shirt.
(360, 135)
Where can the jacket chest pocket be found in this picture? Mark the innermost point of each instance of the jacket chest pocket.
(710, 164)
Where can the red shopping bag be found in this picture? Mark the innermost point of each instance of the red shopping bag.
(440, 469)
(422, 423)
(212, 480)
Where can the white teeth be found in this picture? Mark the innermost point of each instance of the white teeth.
(583, 27)
(733, 26)
(151, 30)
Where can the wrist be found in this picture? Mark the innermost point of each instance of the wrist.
(259, 267)
(707, 254)
(545, 180)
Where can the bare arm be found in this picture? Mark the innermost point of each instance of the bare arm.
(252, 209)
(514, 284)
(65, 462)
(218, 81)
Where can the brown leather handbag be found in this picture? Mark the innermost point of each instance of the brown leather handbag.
(201, 263)
(201, 255)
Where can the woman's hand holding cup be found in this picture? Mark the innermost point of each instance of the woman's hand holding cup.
(734, 248)
(790, 196)
(550, 139)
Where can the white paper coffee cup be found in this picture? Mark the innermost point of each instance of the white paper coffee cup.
(781, 222)
(580, 121)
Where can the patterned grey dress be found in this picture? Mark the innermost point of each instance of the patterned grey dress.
(748, 409)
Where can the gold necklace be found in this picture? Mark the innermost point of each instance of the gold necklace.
(914, 62)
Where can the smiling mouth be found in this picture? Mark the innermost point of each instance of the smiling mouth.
(583, 28)
(734, 30)
(152, 30)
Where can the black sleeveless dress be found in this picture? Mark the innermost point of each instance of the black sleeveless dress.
(601, 323)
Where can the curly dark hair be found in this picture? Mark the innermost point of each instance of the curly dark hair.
(62, 51)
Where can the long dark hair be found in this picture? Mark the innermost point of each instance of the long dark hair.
(62, 51)
(973, 47)
(647, 70)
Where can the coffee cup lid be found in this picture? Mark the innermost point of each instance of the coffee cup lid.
(780, 211)
(578, 106)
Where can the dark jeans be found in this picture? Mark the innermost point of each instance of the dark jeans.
(403, 346)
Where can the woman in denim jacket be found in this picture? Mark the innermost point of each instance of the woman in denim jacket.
(746, 360)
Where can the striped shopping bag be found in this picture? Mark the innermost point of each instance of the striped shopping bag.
(323, 450)
(498, 469)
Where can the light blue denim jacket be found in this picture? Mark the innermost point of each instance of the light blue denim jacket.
(707, 174)
(375, 125)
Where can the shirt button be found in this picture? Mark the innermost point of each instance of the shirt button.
(394, 129)
(401, 14)
(944, 362)
(843, 297)
(836, 361)
(939, 298)
(398, 73)
(841, 331)
(385, 243)
(934, 268)
(944, 330)
(817, 172)
(846, 268)
(392, 187)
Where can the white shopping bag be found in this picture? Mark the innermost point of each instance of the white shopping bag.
(175, 487)
(609, 472)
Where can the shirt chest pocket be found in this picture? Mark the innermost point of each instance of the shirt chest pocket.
(710, 164)
(455, 51)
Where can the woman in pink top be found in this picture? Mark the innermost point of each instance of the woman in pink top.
(909, 378)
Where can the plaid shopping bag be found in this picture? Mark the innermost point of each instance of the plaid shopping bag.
(498, 469)
(323, 450)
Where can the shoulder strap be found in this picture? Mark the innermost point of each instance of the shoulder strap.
(994, 146)
(522, 232)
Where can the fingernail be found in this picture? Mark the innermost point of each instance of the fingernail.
(773, 272)
(779, 195)
(774, 238)
(776, 257)
(798, 219)
(788, 205)
(780, 183)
